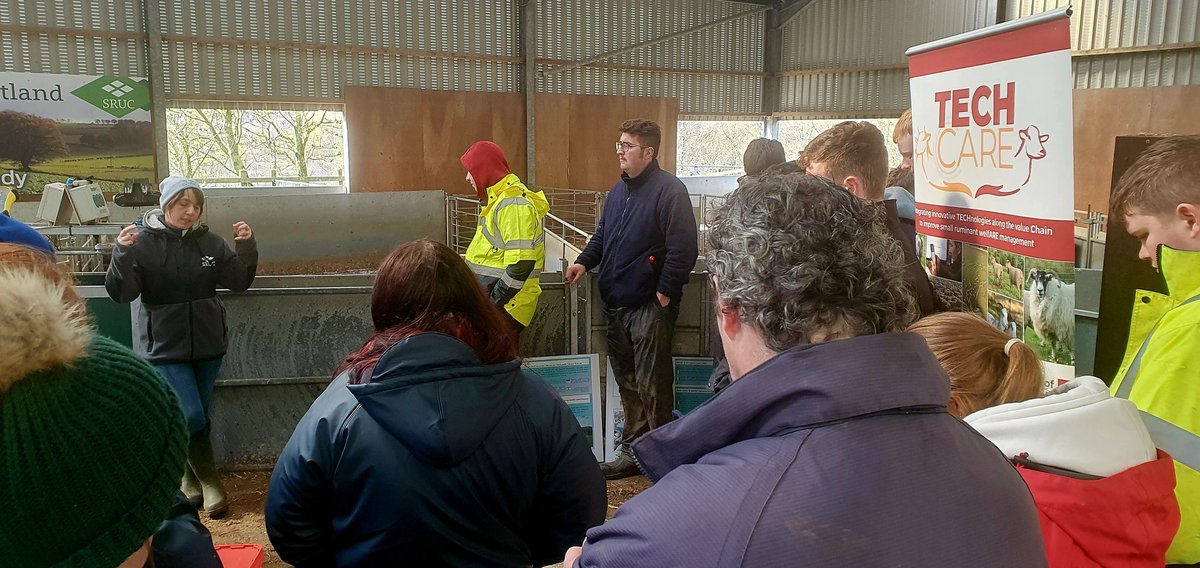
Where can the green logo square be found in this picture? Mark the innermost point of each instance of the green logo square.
(117, 96)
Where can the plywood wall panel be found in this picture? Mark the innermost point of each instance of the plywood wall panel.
(1101, 115)
(408, 139)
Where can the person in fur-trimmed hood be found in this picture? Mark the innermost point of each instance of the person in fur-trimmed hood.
(175, 265)
(92, 440)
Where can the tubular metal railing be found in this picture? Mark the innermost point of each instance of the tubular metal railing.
(462, 216)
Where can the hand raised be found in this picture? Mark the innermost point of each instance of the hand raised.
(128, 236)
(242, 231)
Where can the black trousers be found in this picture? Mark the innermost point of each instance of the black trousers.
(639, 349)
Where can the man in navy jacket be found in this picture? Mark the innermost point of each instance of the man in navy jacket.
(645, 247)
(833, 445)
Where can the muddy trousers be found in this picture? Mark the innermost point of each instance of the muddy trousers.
(639, 349)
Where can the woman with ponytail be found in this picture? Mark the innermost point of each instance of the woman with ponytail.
(1105, 494)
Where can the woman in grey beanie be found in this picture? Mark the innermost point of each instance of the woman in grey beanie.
(175, 265)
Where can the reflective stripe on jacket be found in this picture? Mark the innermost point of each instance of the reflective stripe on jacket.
(1166, 383)
(510, 231)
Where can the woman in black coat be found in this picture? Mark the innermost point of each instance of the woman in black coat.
(175, 265)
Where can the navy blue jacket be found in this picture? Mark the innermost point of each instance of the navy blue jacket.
(182, 541)
(438, 461)
(835, 454)
(646, 217)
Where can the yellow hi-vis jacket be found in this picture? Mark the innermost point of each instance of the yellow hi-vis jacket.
(1166, 383)
(509, 248)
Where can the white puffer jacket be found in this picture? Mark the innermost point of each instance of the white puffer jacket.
(1078, 426)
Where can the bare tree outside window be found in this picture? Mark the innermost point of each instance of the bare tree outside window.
(243, 148)
(713, 147)
(796, 134)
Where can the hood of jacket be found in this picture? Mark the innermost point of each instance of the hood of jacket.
(511, 186)
(487, 165)
(154, 221)
(1128, 519)
(803, 387)
(431, 393)
(1079, 426)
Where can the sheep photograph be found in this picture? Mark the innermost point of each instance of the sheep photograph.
(1006, 273)
(1049, 301)
(1006, 314)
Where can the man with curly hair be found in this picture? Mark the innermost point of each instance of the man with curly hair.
(833, 445)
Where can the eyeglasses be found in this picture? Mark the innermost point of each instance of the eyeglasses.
(623, 147)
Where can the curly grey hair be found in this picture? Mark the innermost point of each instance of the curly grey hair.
(800, 259)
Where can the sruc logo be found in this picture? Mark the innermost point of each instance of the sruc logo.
(986, 146)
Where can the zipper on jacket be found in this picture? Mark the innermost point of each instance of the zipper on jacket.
(191, 331)
(624, 217)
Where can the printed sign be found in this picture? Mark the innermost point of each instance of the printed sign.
(993, 163)
(576, 378)
(79, 126)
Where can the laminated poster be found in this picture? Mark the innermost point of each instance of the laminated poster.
(576, 378)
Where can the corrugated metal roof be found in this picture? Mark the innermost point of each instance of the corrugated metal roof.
(832, 41)
(858, 33)
(715, 71)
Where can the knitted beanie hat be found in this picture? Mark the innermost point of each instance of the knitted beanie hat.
(171, 186)
(92, 440)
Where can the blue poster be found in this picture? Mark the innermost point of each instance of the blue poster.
(691, 382)
(576, 378)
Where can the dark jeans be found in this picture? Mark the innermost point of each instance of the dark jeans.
(639, 349)
(193, 382)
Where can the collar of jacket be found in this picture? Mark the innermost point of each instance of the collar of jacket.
(1181, 270)
(640, 180)
(803, 387)
(500, 188)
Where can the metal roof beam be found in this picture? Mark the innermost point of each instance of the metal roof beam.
(655, 41)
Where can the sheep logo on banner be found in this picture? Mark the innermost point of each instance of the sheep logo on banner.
(1011, 174)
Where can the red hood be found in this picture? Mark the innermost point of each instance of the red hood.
(1127, 519)
(486, 163)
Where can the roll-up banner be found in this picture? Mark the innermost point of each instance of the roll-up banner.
(992, 141)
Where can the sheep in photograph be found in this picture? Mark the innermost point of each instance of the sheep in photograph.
(1050, 309)
(998, 269)
(1015, 275)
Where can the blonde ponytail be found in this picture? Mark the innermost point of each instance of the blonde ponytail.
(973, 354)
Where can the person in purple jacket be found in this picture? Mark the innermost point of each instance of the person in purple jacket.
(645, 247)
(833, 445)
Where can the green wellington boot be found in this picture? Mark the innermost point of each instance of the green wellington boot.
(200, 459)
(191, 487)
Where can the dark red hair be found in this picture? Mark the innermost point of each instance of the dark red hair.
(423, 286)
